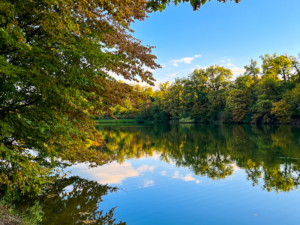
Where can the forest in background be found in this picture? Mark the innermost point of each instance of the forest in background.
(270, 94)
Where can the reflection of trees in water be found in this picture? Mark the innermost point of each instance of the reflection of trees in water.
(267, 152)
(74, 201)
(282, 178)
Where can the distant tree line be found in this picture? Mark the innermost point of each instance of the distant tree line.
(261, 95)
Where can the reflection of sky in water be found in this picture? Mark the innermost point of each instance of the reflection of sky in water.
(155, 192)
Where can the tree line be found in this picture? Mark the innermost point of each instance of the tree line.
(266, 94)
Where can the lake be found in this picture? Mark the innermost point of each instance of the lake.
(184, 174)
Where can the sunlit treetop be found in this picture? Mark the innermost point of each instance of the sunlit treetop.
(160, 5)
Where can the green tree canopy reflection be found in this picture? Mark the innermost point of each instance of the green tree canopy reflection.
(73, 201)
(267, 152)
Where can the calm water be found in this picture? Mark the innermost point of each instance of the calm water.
(184, 174)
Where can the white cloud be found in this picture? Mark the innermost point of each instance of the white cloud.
(235, 167)
(163, 173)
(176, 175)
(117, 77)
(186, 178)
(171, 75)
(222, 61)
(198, 181)
(150, 70)
(143, 84)
(228, 59)
(155, 155)
(112, 74)
(187, 60)
(151, 168)
(148, 183)
(197, 56)
(112, 173)
(145, 168)
(163, 65)
(236, 70)
(68, 189)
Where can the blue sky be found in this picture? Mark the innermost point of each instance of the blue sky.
(225, 34)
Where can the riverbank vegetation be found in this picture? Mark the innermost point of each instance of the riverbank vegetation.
(29, 216)
(116, 121)
(270, 94)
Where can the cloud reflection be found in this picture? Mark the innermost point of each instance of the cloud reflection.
(188, 177)
(163, 173)
(145, 168)
(113, 173)
(148, 183)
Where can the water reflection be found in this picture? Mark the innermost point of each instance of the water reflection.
(113, 173)
(73, 201)
(167, 187)
(268, 152)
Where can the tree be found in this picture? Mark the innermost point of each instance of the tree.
(276, 65)
(296, 66)
(200, 112)
(216, 103)
(292, 97)
(195, 88)
(252, 70)
(128, 106)
(238, 102)
(281, 110)
(145, 110)
(218, 77)
(174, 104)
(55, 61)
(262, 110)
(244, 82)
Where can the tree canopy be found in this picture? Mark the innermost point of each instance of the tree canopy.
(56, 59)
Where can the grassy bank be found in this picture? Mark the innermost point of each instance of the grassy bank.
(9, 216)
(116, 121)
